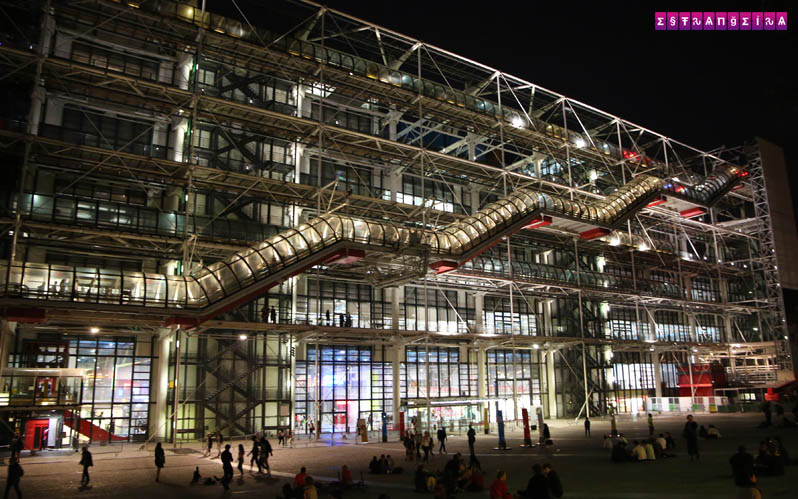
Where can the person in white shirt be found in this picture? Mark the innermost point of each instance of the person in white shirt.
(638, 452)
(649, 447)
(662, 442)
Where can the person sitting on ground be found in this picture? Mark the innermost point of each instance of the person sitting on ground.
(670, 441)
(768, 462)
(638, 451)
(422, 480)
(662, 442)
(374, 466)
(621, 438)
(538, 485)
(702, 432)
(463, 476)
(713, 433)
(310, 491)
(498, 489)
(607, 443)
(749, 491)
(299, 479)
(440, 492)
(742, 465)
(346, 476)
(476, 482)
(389, 465)
(451, 472)
(620, 453)
(658, 451)
(649, 447)
(553, 479)
(196, 477)
(382, 465)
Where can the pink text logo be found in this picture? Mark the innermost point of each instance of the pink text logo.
(720, 21)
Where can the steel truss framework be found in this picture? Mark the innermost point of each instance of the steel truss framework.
(460, 129)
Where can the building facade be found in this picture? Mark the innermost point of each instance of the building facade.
(210, 225)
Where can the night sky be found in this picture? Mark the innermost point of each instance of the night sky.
(705, 89)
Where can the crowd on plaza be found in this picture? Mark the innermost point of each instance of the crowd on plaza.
(458, 474)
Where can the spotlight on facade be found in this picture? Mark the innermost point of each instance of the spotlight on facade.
(243, 337)
(580, 142)
(642, 247)
(94, 330)
(537, 347)
(517, 121)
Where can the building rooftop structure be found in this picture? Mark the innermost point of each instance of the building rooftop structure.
(318, 218)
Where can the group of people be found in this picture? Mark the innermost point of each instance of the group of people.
(415, 442)
(770, 461)
(649, 449)
(260, 453)
(782, 418)
(544, 484)
(457, 476)
(383, 466)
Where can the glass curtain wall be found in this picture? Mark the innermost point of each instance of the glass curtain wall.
(526, 364)
(352, 384)
(115, 396)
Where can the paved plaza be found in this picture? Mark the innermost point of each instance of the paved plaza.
(584, 466)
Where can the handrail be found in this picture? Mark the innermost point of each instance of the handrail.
(292, 251)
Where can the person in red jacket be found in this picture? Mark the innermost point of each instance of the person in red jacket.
(498, 489)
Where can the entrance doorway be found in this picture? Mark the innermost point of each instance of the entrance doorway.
(35, 429)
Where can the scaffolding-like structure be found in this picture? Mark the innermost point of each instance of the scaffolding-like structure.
(153, 140)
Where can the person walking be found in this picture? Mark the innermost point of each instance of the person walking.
(241, 453)
(442, 440)
(219, 442)
(650, 425)
(86, 462)
(160, 460)
(587, 427)
(16, 445)
(472, 437)
(280, 437)
(227, 467)
(273, 315)
(327, 316)
(255, 453)
(15, 473)
(426, 445)
(208, 445)
(265, 451)
(312, 430)
(766, 408)
(691, 435)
